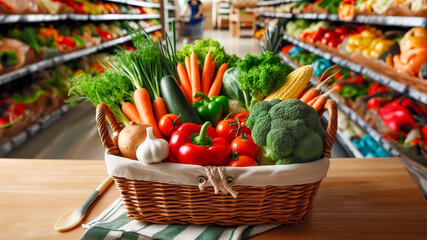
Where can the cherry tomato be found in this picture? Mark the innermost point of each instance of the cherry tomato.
(168, 124)
(229, 129)
(244, 145)
(243, 161)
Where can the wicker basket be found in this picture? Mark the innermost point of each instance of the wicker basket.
(183, 202)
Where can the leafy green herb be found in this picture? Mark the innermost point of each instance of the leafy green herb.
(150, 61)
(110, 88)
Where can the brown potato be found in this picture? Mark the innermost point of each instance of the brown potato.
(130, 138)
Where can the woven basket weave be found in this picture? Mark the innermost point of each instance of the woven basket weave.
(165, 203)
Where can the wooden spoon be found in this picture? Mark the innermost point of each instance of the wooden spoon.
(74, 217)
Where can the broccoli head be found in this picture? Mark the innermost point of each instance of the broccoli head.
(289, 131)
(261, 75)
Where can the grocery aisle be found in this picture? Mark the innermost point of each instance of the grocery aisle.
(74, 136)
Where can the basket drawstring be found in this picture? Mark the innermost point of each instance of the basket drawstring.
(223, 184)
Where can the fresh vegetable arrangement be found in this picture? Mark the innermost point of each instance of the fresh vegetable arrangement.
(179, 98)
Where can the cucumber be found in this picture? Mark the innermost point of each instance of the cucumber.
(176, 102)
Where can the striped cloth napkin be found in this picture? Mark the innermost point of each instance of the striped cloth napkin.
(113, 224)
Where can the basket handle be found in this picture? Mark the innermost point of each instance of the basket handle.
(331, 129)
(104, 114)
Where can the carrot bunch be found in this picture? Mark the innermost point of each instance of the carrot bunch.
(144, 69)
(314, 97)
(192, 81)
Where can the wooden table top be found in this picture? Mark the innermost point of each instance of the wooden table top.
(359, 199)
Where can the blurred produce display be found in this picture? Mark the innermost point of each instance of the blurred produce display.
(70, 6)
(348, 9)
(27, 45)
(398, 119)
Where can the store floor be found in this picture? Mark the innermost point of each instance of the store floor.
(75, 136)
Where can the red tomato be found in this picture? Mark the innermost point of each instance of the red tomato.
(244, 145)
(242, 116)
(168, 124)
(229, 129)
(243, 161)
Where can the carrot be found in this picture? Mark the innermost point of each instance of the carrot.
(143, 105)
(130, 112)
(206, 73)
(159, 108)
(185, 83)
(314, 92)
(313, 101)
(188, 68)
(211, 77)
(318, 104)
(195, 76)
(216, 85)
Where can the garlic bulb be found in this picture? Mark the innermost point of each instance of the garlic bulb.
(152, 150)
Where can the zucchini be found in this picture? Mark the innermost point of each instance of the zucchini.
(176, 102)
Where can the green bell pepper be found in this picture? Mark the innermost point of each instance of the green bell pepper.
(211, 109)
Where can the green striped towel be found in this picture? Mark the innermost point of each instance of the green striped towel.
(113, 224)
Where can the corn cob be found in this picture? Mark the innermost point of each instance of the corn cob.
(295, 84)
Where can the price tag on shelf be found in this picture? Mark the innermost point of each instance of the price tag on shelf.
(322, 16)
(5, 78)
(333, 17)
(78, 17)
(35, 67)
(66, 107)
(374, 76)
(419, 96)
(11, 18)
(20, 138)
(399, 87)
(32, 130)
(5, 148)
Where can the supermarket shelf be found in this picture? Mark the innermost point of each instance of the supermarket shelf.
(7, 19)
(170, 7)
(277, 15)
(398, 21)
(41, 124)
(354, 117)
(136, 3)
(8, 77)
(277, 2)
(397, 86)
